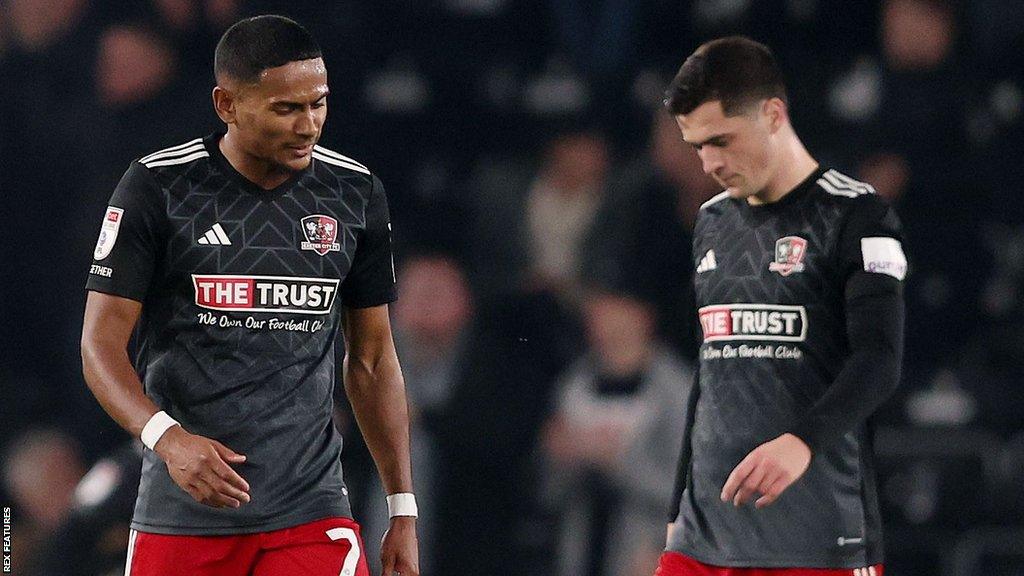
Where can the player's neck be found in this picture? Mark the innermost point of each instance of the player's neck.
(260, 172)
(795, 165)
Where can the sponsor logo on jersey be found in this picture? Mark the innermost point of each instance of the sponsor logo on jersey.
(789, 255)
(101, 271)
(707, 263)
(265, 293)
(321, 232)
(108, 233)
(215, 236)
(776, 322)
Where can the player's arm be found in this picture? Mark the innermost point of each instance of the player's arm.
(376, 391)
(131, 238)
(198, 465)
(871, 373)
(373, 379)
(874, 266)
(107, 328)
(686, 452)
(874, 325)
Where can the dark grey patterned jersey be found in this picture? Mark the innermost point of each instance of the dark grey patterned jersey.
(241, 291)
(773, 285)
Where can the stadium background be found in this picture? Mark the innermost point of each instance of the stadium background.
(541, 202)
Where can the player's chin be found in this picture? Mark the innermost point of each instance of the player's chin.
(297, 163)
(740, 188)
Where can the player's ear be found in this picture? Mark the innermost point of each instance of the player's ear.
(774, 110)
(224, 104)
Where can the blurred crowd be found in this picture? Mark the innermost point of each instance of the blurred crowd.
(542, 204)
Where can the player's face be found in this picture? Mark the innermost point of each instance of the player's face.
(736, 150)
(280, 118)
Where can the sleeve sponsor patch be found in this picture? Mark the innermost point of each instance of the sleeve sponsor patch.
(108, 232)
(884, 256)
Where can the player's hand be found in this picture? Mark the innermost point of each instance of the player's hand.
(768, 470)
(200, 466)
(399, 550)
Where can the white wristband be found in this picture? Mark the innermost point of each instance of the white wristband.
(402, 504)
(155, 428)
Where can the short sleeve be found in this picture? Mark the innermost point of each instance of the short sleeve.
(872, 240)
(129, 242)
(371, 279)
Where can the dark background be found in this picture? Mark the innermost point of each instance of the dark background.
(472, 112)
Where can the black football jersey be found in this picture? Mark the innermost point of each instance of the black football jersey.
(241, 291)
(770, 282)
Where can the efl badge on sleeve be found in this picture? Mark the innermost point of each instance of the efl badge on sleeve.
(884, 255)
(789, 255)
(321, 232)
(108, 232)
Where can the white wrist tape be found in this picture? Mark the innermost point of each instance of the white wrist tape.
(155, 428)
(402, 504)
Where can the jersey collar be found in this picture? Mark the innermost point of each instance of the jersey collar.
(212, 144)
(801, 190)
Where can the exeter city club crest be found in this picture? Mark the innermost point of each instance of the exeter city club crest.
(321, 232)
(789, 255)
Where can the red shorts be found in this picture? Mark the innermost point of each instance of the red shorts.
(330, 547)
(676, 564)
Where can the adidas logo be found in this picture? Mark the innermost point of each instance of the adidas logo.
(707, 263)
(215, 237)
